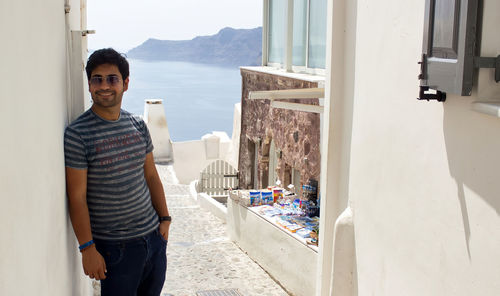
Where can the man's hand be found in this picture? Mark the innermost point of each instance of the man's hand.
(93, 263)
(164, 228)
(157, 193)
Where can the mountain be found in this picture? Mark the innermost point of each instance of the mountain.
(229, 47)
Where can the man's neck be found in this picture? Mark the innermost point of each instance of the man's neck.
(111, 114)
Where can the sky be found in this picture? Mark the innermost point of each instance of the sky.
(125, 24)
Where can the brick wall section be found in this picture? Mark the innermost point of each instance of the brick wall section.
(295, 133)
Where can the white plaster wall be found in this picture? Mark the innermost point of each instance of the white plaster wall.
(212, 146)
(290, 262)
(225, 145)
(189, 160)
(424, 175)
(234, 150)
(38, 250)
(213, 205)
(191, 157)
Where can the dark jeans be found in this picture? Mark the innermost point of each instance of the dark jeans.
(135, 267)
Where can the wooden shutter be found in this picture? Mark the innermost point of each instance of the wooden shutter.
(449, 45)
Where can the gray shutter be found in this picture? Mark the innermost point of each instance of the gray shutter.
(448, 45)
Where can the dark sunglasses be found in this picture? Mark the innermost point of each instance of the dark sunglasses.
(111, 80)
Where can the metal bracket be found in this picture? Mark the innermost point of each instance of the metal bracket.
(423, 67)
(427, 93)
(231, 176)
(87, 32)
(481, 62)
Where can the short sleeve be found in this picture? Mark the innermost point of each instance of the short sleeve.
(149, 142)
(74, 150)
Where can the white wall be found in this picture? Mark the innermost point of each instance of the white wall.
(191, 157)
(38, 250)
(288, 260)
(423, 175)
(189, 160)
(234, 151)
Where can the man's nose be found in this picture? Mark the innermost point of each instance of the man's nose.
(105, 84)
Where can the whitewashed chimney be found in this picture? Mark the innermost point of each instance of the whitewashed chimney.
(154, 116)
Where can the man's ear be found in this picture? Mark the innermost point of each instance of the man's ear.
(125, 84)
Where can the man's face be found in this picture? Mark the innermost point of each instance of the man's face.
(107, 86)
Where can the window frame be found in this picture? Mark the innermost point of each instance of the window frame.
(454, 74)
(289, 43)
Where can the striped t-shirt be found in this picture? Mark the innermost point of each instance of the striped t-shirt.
(113, 152)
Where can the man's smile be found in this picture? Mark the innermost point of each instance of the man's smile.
(105, 93)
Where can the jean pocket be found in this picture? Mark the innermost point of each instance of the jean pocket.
(162, 238)
(112, 255)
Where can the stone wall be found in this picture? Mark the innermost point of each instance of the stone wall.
(295, 133)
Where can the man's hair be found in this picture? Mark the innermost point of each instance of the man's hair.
(107, 56)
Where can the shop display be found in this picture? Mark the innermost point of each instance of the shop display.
(266, 197)
(277, 194)
(254, 197)
(292, 219)
(298, 214)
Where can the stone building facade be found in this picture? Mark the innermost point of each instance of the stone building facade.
(295, 134)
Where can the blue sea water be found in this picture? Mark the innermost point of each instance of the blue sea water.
(197, 98)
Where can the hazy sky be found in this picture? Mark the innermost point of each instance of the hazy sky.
(125, 24)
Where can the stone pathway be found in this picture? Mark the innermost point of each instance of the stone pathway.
(200, 254)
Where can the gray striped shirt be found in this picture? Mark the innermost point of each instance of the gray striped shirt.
(113, 152)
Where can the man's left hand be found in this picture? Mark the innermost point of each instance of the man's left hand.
(164, 228)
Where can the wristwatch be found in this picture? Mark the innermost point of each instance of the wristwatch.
(165, 218)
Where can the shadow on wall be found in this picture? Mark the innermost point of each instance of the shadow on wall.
(472, 145)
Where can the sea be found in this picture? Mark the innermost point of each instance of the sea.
(197, 98)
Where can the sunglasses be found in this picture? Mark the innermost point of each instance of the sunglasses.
(111, 80)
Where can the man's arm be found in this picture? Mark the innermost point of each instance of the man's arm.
(76, 186)
(157, 193)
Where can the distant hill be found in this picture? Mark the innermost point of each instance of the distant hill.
(229, 47)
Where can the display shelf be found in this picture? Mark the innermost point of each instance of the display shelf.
(272, 221)
(284, 255)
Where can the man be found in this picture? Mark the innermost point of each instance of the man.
(116, 200)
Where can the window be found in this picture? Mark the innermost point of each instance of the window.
(277, 19)
(299, 32)
(308, 33)
(449, 45)
(317, 34)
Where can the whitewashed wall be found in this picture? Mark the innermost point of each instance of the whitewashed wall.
(38, 250)
(234, 150)
(423, 178)
(191, 157)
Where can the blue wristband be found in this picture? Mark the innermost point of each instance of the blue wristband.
(86, 245)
